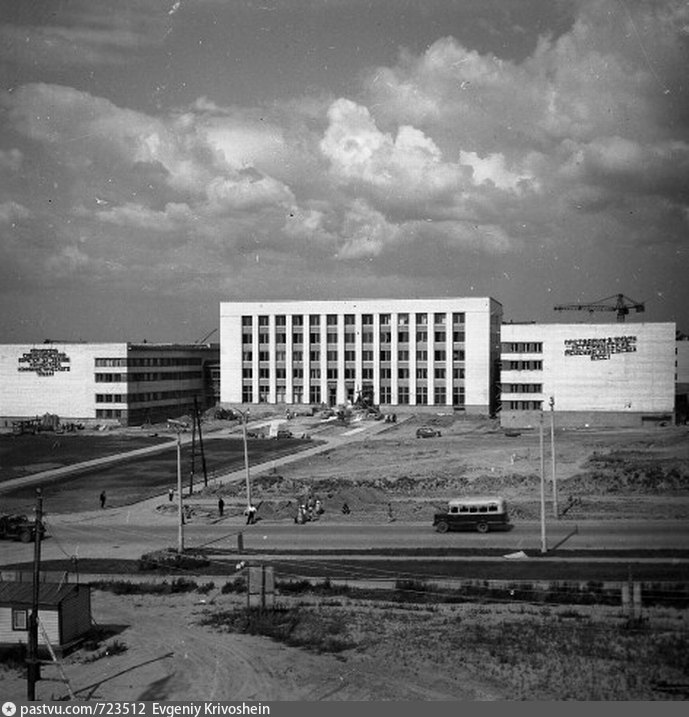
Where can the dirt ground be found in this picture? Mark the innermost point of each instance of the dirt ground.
(170, 655)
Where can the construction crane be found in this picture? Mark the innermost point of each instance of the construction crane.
(622, 305)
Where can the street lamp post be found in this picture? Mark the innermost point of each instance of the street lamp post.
(540, 433)
(178, 425)
(552, 455)
(245, 418)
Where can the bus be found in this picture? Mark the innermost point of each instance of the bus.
(480, 513)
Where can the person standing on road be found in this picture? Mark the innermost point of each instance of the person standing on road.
(251, 515)
(221, 506)
(171, 494)
(102, 499)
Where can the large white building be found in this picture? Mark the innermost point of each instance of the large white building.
(122, 382)
(596, 374)
(435, 353)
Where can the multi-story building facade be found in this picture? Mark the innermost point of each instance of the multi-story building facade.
(434, 353)
(121, 382)
(595, 374)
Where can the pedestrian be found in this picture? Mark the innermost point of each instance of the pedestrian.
(221, 505)
(251, 515)
(102, 499)
(170, 494)
(345, 509)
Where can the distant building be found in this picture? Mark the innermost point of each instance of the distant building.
(432, 354)
(127, 383)
(597, 374)
(682, 377)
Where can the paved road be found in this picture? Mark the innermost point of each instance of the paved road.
(124, 535)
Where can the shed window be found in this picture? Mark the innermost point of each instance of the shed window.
(20, 619)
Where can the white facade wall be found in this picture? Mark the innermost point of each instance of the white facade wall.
(53, 378)
(479, 352)
(591, 369)
(682, 362)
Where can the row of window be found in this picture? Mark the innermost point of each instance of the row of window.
(148, 361)
(143, 397)
(366, 355)
(521, 347)
(421, 319)
(149, 376)
(350, 373)
(522, 388)
(522, 405)
(315, 395)
(439, 337)
(522, 365)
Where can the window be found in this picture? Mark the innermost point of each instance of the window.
(439, 319)
(439, 337)
(246, 320)
(458, 355)
(247, 355)
(522, 366)
(422, 373)
(297, 356)
(263, 339)
(314, 373)
(264, 355)
(422, 355)
(421, 337)
(439, 355)
(297, 320)
(20, 619)
(403, 373)
(422, 319)
(403, 319)
(331, 355)
(331, 320)
(367, 373)
(403, 355)
(263, 321)
(458, 318)
(264, 373)
(385, 319)
(403, 337)
(297, 338)
(331, 373)
(314, 320)
(247, 394)
(350, 355)
(385, 337)
(331, 338)
(247, 373)
(522, 388)
(521, 347)
(403, 395)
(421, 395)
(314, 355)
(314, 338)
(281, 320)
(385, 394)
(458, 336)
(367, 337)
(280, 355)
(386, 373)
(315, 394)
(349, 338)
(349, 319)
(349, 373)
(367, 355)
(246, 338)
(386, 355)
(439, 373)
(280, 338)
(298, 373)
(439, 395)
(457, 373)
(367, 319)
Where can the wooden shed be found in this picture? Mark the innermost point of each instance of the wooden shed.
(64, 611)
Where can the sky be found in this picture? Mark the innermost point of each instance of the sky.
(158, 157)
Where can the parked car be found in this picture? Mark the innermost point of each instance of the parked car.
(284, 433)
(427, 432)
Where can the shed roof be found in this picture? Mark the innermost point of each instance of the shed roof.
(49, 594)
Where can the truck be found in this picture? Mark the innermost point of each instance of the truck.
(480, 513)
(19, 527)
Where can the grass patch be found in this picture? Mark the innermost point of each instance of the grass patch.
(313, 629)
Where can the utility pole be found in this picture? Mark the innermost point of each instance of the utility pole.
(540, 433)
(197, 417)
(552, 455)
(33, 666)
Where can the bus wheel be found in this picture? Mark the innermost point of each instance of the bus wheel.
(482, 527)
(441, 526)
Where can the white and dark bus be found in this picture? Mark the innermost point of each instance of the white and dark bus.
(481, 513)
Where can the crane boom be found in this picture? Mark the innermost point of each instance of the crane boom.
(622, 305)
